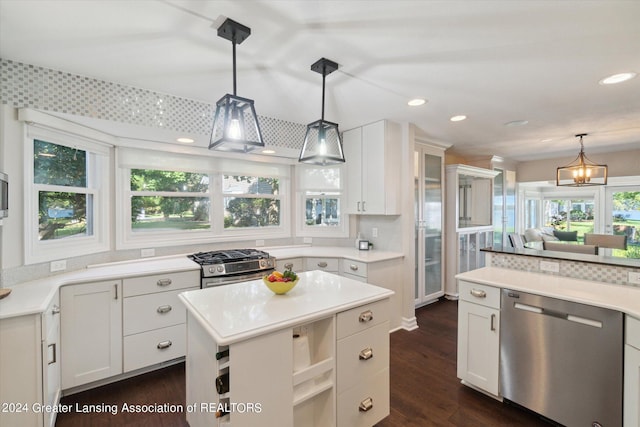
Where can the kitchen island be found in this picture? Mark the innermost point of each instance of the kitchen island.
(316, 356)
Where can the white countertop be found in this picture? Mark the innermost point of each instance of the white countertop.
(234, 313)
(34, 296)
(332, 252)
(616, 297)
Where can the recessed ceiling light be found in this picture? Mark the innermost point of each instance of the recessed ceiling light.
(268, 151)
(458, 118)
(416, 102)
(546, 140)
(185, 140)
(617, 78)
(516, 123)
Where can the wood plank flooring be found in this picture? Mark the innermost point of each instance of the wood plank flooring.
(424, 388)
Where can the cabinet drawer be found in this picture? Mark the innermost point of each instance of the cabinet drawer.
(362, 355)
(633, 332)
(153, 311)
(360, 318)
(377, 390)
(479, 294)
(324, 264)
(357, 268)
(297, 264)
(160, 283)
(149, 348)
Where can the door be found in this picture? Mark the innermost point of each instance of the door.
(622, 216)
(428, 172)
(91, 332)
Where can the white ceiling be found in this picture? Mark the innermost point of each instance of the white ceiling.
(493, 61)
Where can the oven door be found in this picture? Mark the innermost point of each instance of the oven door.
(208, 282)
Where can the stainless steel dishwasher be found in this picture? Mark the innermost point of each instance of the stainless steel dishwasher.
(561, 359)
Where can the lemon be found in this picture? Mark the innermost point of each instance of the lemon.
(277, 274)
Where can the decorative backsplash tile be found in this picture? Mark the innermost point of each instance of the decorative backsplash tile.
(24, 85)
(603, 273)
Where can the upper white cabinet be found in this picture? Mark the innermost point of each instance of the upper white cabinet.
(372, 154)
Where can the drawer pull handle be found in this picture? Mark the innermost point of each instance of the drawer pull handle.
(288, 266)
(164, 344)
(353, 267)
(163, 282)
(493, 319)
(366, 354)
(53, 353)
(365, 405)
(322, 264)
(478, 293)
(366, 316)
(55, 309)
(164, 309)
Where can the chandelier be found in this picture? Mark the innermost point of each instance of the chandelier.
(581, 172)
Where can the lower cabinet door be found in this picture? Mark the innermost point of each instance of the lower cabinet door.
(159, 345)
(365, 404)
(91, 332)
(479, 346)
(631, 386)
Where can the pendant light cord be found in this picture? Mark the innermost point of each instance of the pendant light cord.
(233, 43)
(324, 76)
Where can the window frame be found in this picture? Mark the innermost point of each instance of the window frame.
(305, 191)
(98, 158)
(215, 168)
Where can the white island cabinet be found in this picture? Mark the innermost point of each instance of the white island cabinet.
(632, 373)
(316, 356)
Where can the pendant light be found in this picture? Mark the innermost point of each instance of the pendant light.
(322, 143)
(581, 172)
(235, 124)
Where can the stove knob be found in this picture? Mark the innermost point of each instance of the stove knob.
(262, 263)
(269, 263)
(220, 269)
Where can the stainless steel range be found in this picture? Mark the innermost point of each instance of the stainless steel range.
(232, 266)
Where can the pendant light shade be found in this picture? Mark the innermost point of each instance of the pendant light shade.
(235, 123)
(581, 172)
(322, 142)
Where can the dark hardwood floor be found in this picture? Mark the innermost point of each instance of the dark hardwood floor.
(424, 387)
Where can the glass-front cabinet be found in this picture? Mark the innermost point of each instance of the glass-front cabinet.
(469, 221)
(429, 192)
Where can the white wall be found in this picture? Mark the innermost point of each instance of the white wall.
(622, 163)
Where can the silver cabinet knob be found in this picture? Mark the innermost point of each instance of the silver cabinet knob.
(353, 267)
(163, 282)
(164, 344)
(478, 293)
(322, 264)
(164, 309)
(365, 405)
(366, 354)
(55, 309)
(366, 316)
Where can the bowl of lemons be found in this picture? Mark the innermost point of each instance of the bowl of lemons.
(281, 282)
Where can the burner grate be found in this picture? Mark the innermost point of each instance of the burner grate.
(227, 256)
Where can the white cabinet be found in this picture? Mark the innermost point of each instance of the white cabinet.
(373, 168)
(295, 264)
(154, 319)
(468, 220)
(346, 366)
(91, 332)
(30, 367)
(363, 365)
(330, 265)
(479, 336)
(632, 373)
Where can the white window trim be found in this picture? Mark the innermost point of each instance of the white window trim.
(215, 168)
(36, 251)
(302, 229)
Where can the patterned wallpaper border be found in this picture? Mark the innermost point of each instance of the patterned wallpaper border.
(28, 86)
(602, 273)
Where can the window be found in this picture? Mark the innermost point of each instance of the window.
(251, 201)
(169, 200)
(65, 205)
(178, 199)
(570, 215)
(320, 195)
